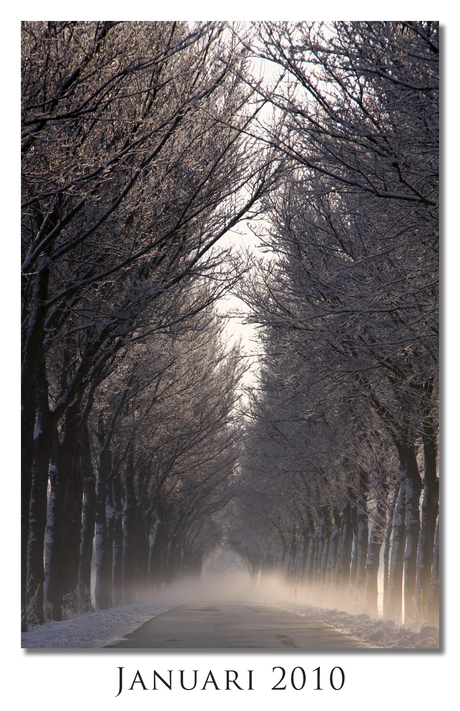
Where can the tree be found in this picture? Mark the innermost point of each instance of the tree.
(353, 283)
(134, 164)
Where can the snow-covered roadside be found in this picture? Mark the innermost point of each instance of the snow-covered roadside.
(97, 629)
(375, 632)
(94, 629)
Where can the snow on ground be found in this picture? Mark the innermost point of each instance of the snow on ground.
(96, 629)
(93, 629)
(375, 632)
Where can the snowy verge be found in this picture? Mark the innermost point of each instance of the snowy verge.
(375, 632)
(97, 629)
(93, 629)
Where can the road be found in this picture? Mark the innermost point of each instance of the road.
(224, 625)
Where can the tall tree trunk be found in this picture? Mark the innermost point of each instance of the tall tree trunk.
(429, 514)
(88, 523)
(142, 558)
(413, 491)
(344, 557)
(310, 550)
(117, 541)
(387, 546)
(55, 552)
(394, 598)
(130, 532)
(32, 360)
(70, 465)
(333, 550)
(433, 598)
(101, 591)
(38, 505)
(158, 552)
(324, 549)
(354, 543)
(362, 537)
(373, 557)
(300, 563)
(294, 554)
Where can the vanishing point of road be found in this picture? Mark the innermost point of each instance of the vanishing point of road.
(226, 625)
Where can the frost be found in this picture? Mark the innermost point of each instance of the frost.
(94, 629)
(374, 632)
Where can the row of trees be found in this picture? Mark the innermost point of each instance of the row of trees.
(136, 159)
(342, 446)
(142, 145)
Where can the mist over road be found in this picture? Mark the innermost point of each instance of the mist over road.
(223, 625)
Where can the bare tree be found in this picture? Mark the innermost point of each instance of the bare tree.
(134, 165)
(352, 286)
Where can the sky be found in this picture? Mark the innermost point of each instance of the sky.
(236, 329)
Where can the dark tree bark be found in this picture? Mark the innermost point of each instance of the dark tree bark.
(333, 550)
(64, 516)
(130, 532)
(88, 522)
(345, 550)
(325, 533)
(362, 537)
(38, 505)
(394, 597)
(373, 557)
(32, 360)
(71, 469)
(429, 514)
(158, 551)
(433, 598)
(387, 546)
(117, 541)
(55, 551)
(413, 487)
(102, 592)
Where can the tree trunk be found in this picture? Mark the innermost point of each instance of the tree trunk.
(386, 550)
(88, 523)
(354, 543)
(333, 551)
(38, 506)
(362, 537)
(70, 465)
(373, 558)
(394, 599)
(129, 532)
(413, 490)
(345, 551)
(142, 559)
(101, 592)
(326, 533)
(309, 550)
(433, 599)
(429, 514)
(32, 360)
(158, 553)
(117, 542)
(55, 552)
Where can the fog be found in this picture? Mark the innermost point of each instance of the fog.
(234, 585)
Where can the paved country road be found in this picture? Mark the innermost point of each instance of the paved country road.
(235, 625)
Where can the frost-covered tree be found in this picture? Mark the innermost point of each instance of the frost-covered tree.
(134, 164)
(352, 284)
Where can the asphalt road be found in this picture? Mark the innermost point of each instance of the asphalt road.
(235, 625)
